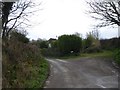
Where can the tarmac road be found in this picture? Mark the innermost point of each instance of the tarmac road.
(82, 73)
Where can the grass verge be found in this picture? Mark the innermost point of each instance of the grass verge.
(99, 54)
(39, 75)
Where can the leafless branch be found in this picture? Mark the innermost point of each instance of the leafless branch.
(107, 12)
(20, 10)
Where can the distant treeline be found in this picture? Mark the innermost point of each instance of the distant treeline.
(110, 43)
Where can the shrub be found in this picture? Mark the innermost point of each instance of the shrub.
(23, 66)
(91, 43)
(50, 52)
(110, 44)
(19, 36)
(68, 43)
(43, 44)
(117, 56)
(93, 50)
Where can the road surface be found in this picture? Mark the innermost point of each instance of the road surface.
(82, 73)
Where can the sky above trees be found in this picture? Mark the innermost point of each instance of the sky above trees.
(58, 17)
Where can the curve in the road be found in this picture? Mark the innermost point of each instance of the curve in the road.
(82, 73)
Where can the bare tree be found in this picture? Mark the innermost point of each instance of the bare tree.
(106, 11)
(6, 7)
(14, 14)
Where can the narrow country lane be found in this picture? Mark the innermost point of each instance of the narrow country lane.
(82, 73)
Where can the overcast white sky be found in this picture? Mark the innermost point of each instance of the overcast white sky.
(60, 17)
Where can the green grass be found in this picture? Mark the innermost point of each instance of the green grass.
(39, 75)
(44, 71)
(99, 54)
